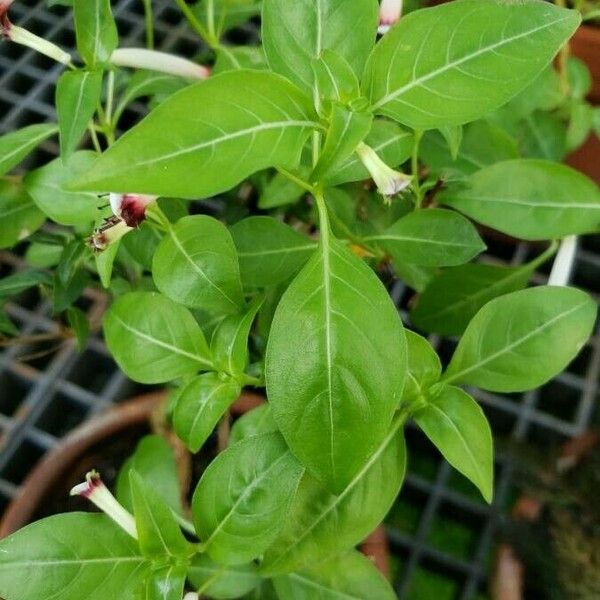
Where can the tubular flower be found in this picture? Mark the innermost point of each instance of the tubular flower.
(389, 182)
(96, 492)
(129, 211)
(153, 60)
(390, 12)
(26, 38)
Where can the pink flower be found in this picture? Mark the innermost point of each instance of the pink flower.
(390, 12)
(96, 492)
(131, 207)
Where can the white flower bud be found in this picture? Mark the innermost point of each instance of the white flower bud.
(388, 181)
(153, 60)
(131, 207)
(96, 492)
(390, 12)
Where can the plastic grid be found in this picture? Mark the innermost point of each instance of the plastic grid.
(440, 532)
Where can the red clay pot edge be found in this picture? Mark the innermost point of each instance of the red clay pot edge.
(133, 412)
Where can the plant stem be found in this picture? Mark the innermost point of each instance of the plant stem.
(210, 17)
(95, 142)
(149, 20)
(563, 58)
(195, 23)
(109, 132)
(299, 182)
(415, 169)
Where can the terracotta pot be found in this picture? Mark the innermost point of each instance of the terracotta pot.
(585, 44)
(508, 577)
(587, 158)
(126, 416)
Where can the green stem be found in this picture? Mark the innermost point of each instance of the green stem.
(110, 97)
(195, 23)
(415, 169)
(250, 380)
(149, 20)
(299, 182)
(95, 142)
(210, 17)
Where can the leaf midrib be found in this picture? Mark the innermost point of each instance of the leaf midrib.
(451, 65)
(405, 238)
(227, 137)
(162, 344)
(510, 347)
(340, 497)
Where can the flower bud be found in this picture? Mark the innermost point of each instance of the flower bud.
(110, 232)
(130, 207)
(389, 182)
(96, 492)
(153, 60)
(390, 12)
(26, 38)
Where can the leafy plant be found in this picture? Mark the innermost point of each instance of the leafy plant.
(211, 306)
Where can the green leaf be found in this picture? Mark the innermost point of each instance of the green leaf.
(250, 121)
(454, 63)
(154, 460)
(62, 555)
(334, 78)
(16, 145)
(229, 343)
(196, 264)
(482, 144)
(79, 324)
(543, 135)
(66, 292)
(95, 30)
(200, 406)
(346, 130)
(279, 191)
(392, 143)
(105, 261)
(217, 581)
(580, 124)
(42, 255)
(14, 284)
(341, 378)
(258, 420)
(294, 33)
(244, 496)
(424, 366)
(47, 186)
(431, 238)
(321, 524)
(414, 276)
(239, 57)
(453, 135)
(159, 535)
(166, 583)
(457, 426)
(521, 340)
(18, 214)
(77, 95)
(153, 339)
(529, 199)
(453, 297)
(227, 13)
(351, 576)
(269, 251)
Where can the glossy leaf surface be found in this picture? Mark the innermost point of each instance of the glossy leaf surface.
(294, 32)
(200, 406)
(243, 498)
(521, 340)
(153, 339)
(195, 264)
(457, 426)
(61, 555)
(249, 121)
(341, 378)
(454, 63)
(269, 251)
(529, 199)
(431, 238)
